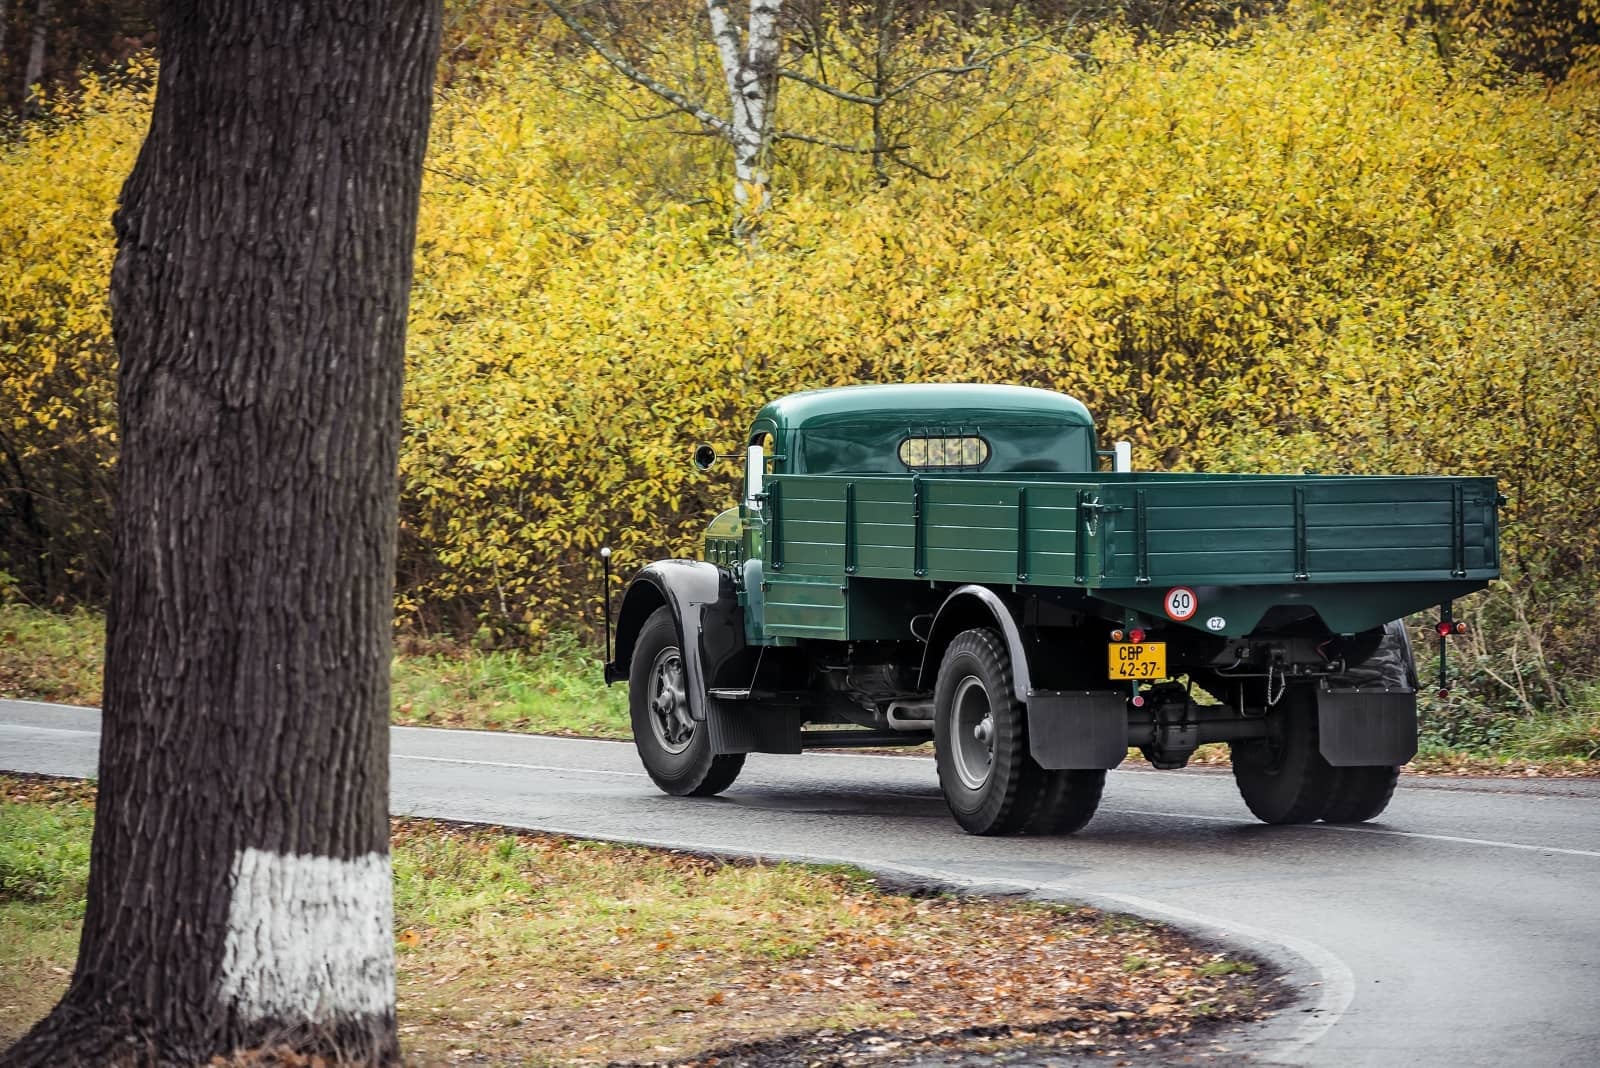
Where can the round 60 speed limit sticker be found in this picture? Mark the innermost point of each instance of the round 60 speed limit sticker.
(1181, 603)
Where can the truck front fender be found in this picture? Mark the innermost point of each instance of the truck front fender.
(965, 608)
(705, 609)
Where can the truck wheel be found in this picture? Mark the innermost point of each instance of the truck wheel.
(675, 748)
(980, 737)
(1065, 801)
(1359, 794)
(1285, 779)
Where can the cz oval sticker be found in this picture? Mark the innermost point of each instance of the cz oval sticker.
(1181, 603)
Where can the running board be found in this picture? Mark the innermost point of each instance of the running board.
(859, 739)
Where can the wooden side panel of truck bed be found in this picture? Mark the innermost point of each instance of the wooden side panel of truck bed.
(1117, 532)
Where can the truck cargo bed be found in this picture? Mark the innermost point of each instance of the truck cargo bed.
(1358, 551)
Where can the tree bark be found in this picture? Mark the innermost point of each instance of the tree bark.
(239, 892)
(34, 70)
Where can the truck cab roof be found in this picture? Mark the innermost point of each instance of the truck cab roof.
(931, 428)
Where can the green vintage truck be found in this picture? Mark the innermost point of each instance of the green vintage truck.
(950, 562)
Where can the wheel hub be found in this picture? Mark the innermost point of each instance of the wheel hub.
(972, 733)
(668, 699)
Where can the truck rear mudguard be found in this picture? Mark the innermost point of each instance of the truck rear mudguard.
(1077, 729)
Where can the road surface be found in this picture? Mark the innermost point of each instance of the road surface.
(1463, 928)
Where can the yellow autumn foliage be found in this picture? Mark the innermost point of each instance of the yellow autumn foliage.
(58, 185)
(1309, 245)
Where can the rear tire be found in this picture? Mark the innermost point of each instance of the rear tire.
(980, 737)
(1065, 801)
(1284, 779)
(674, 747)
(1360, 794)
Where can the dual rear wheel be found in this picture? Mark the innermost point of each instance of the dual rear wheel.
(1286, 780)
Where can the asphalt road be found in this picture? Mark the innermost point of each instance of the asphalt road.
(1461, 929)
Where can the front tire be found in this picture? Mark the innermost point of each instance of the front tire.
(674, 747)
(980, 737)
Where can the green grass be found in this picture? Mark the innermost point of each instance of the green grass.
(1213, 969)
(556, 690)
(44, 871)
(50, 656)
(47, 656)
(44, 856)
(1576, 734)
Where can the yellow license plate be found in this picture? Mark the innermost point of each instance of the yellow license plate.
(1141, 661)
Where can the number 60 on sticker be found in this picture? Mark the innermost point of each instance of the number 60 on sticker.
(1181, 603)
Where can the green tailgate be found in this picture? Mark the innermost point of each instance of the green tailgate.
(1359, 550)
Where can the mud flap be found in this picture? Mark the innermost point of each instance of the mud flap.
(1367, 727)
(745, 727)
(1077, 729)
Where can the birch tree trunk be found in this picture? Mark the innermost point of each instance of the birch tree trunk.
(240, 890)
(751, 72)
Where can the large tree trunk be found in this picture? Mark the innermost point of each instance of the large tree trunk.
(240, 890)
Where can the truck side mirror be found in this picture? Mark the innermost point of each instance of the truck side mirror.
(704, 457)
(755, 468)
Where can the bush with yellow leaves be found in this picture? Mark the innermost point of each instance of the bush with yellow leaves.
(1308, 245)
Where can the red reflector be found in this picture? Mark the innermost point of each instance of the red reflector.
(1444, 695)
(1136, 636)
(1138, 701)
(1445, 628)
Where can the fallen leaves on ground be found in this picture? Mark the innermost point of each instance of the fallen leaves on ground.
(776, 981)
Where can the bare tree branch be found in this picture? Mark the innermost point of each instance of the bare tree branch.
(689, 107)
(833, 91)
(837, 146)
